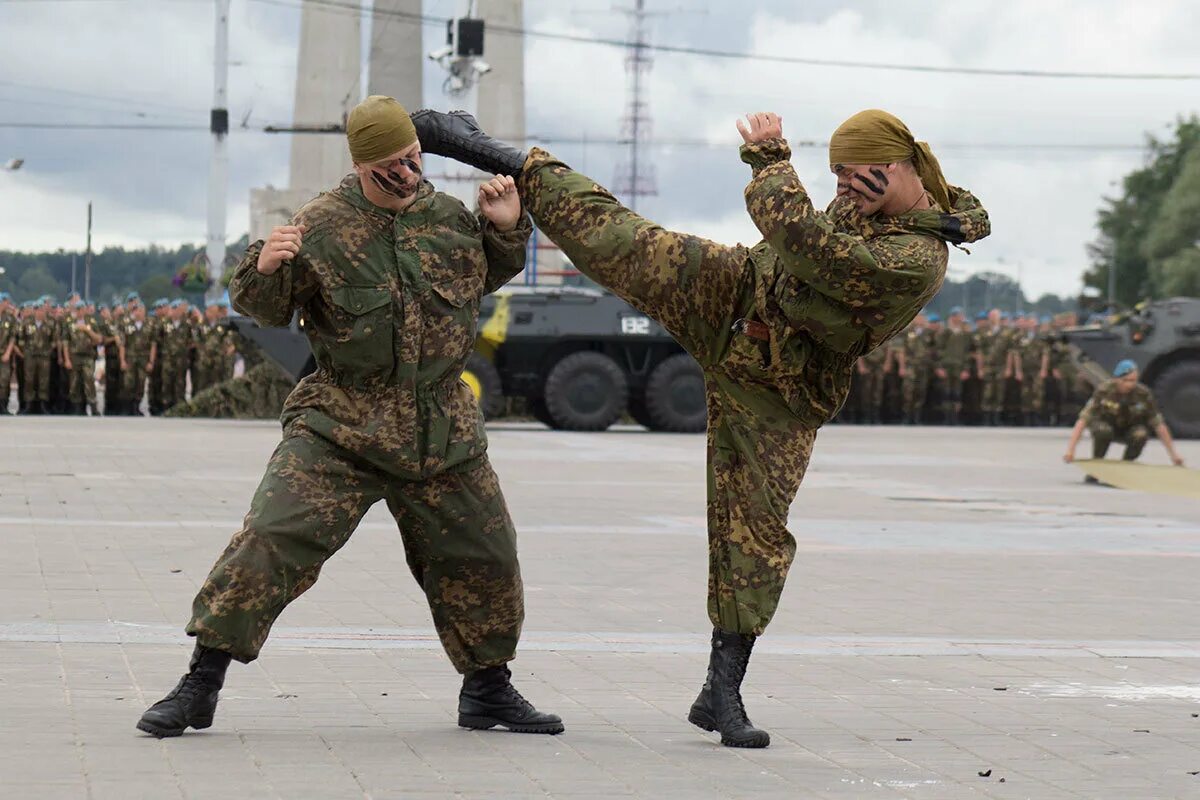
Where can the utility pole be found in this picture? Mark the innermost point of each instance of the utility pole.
(462, 58)
(1112, 287)
(87, 259)
(218, 165)
(635, 178)
(72, 273)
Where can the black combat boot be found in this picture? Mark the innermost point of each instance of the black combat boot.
(193, 701)
(457, 135)
(719, 706)
(488, 699)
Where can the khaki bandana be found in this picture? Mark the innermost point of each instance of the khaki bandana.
(877, 137)
(378, 127)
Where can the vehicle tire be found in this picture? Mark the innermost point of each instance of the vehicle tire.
(1177, 392)
(537, 407)
(675, 396)
(585, 391)
(481, 375)
(637, 409)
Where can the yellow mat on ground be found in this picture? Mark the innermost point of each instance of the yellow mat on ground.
(1177, 481)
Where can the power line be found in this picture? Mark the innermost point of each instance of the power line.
(345, 7)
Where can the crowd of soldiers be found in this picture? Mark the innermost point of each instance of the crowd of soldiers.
(999, 369)
(146, 358)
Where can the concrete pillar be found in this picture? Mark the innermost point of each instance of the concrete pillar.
(328, 85)
(397, 54)
(502, 91)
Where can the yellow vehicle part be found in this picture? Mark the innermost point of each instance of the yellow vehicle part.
(472, 380)
(494, 331)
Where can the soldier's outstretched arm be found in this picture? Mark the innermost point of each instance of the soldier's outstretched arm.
(504, 238)
(274, 277)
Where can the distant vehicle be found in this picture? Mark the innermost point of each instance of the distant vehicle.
(581, 358)
(1163, 337)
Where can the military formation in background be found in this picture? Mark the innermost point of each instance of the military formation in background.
(998, 369)
(50, 350)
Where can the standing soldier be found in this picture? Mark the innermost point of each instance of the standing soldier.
(918, 369)
(175, 339)
(1028, 352)
(954, 354)
(109, 326)
(994, 344)
(138, 348)
(39, 347)
(158, 323)
(227, 355)
(80, 348)
(9, 327)
(1121, 410)
(387, 275)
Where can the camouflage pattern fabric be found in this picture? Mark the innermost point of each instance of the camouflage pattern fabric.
(1104, 434)
(82, 380)
(1121, 410)
(389, 303)
(995, 346)
(174, 340)
(829, 286)
(1033, 384)
(136, 341)
(9, 328)
(257, 394)
(38, 343)
(458, 539)
(954, 351)
(919, 355)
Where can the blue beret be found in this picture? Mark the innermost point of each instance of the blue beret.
(957, 310)
(1045, 320)
(4, 296)
(933, 317)
(160, 302)
(1124, 367)
(132, 296)
(982, 315)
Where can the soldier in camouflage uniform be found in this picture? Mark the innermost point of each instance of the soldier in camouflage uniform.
(174, 348)
(138, 348)
(1121, 410)
(777, 328)
(159, 319)
(9, 328)
(387, 275)
(919, 352)
(954, 357)
(108, 326)
(872, 365)
(994, 343)
(39, 345)
(80, 348)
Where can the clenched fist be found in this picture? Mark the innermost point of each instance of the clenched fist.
(500, 203)
(282, 245)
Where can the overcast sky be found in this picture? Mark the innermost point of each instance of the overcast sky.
(150, 62)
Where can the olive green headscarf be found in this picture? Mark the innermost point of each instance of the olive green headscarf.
(378, 127)
(877, 137)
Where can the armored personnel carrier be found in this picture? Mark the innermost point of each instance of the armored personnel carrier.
(1163, 337)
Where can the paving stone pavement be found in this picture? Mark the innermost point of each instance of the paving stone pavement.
(964, 619)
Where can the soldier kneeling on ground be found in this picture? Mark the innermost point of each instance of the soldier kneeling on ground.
(1121, 410)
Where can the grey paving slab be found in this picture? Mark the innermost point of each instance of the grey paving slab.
(960, 603)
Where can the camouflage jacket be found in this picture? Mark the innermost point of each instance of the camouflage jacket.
(137, 341)
(835, 285)
(390, 304)
(174, 341)
(38, 340)
(1122, 411)
(79, 343)
(9, 328)
(954, 348)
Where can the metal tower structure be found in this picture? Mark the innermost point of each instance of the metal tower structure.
(635, 176)
(218, 169)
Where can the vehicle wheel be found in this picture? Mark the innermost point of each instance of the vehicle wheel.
(1177, 391)
(675, 396)
(585, 391)
(537, 407)
(481, 375)
(637, 409)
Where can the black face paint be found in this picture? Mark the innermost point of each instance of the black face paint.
(877, 190)
(879, 175)
(392, 183)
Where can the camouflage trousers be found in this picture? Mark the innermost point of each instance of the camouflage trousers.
(757, 450)
(915, 388)
(1103, 435)
(174, 380)
(458, 539)
(83, 379)
(37, 378)
(6, 377)
(953, 391)
(994, 384)
(133, 381)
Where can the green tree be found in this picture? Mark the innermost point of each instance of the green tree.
(1144, 232)
(37, 281)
